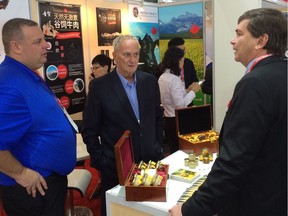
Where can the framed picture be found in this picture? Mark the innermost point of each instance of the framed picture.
(108, 25)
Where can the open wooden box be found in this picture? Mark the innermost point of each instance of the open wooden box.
(126, 166)
(194, 128)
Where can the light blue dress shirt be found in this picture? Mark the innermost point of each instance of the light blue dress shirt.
(130, 89)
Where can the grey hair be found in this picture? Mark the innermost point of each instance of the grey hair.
(118, 40)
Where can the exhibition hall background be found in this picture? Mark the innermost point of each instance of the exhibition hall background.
(216, 41)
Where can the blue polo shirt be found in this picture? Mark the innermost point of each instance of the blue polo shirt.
(33, 126)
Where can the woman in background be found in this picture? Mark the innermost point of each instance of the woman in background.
(173, 92)
(101, 65)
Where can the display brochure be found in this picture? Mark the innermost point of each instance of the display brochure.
(184, 175)
(190, 191)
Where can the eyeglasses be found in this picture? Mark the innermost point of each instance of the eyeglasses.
(96, 67)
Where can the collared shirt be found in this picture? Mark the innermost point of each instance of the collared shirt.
(33, 126)
(254, 62)
(249, 65)
(173, 93)
(131, 92)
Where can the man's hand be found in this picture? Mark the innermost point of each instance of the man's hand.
(24, 176)
(175, 210)
(32, 181)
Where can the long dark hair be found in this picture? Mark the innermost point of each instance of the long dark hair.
(171, 60)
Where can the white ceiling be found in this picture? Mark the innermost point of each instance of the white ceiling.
(178, 1)
(265, 3)
(159, 2)
(274, 4)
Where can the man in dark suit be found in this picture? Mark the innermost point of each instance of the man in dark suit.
(207, 85)
(125, 99)
(249, 177)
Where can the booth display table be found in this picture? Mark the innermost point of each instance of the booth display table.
(118, 206)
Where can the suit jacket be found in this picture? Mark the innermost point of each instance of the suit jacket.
(249, 177)
(190, 75)
(108, 113)
(207, 85)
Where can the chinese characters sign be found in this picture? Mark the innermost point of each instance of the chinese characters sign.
(108, 25)
(64, 69)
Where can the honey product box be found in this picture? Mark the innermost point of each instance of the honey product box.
(194, 129)
(146, 181)
(184, 175)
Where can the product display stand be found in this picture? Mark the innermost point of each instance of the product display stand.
(118, 206)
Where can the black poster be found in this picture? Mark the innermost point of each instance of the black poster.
(64, 69)
(108, 25)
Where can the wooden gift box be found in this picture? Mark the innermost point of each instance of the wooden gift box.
(125, 166)
(194, 122)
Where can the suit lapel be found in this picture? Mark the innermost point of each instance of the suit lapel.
(140, 93)
(121, 94)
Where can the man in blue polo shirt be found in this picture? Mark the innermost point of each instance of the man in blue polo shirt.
(38, 143)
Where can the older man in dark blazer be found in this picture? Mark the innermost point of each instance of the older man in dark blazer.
(125, 99)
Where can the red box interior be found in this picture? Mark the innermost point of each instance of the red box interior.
(126, 156)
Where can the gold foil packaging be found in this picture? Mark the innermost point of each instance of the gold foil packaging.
(157, 179)
(147, 174)
(209, 136)
(137, 180)
(142, 165)
(191, 161)
(205, 156)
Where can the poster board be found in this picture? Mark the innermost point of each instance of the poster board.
(9, 10)
(108, 25)
(64, 69)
